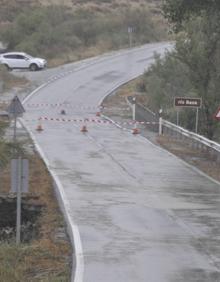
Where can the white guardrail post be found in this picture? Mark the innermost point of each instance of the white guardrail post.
(160, 126)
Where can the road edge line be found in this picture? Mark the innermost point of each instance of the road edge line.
(73, 230)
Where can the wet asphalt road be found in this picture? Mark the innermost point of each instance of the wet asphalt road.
(142, 214)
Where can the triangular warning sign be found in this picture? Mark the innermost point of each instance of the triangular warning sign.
(15, 108)
(217, 115)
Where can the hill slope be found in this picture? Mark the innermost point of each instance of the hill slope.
(10, 8)
(68, 30)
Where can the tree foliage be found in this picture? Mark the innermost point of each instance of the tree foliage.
(199, 49)
(197, 60)
(166, 79)
(179, 11)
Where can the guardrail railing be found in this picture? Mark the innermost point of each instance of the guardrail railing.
(195, 140)
(168, 128)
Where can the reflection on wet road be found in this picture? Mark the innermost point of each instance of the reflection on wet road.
(143, 215)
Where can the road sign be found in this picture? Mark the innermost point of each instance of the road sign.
(188, 102)
(19, 185)
(15, 108)
(24, 173)
(217, 114)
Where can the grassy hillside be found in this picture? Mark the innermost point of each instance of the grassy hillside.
(68, 30)
(9, 9)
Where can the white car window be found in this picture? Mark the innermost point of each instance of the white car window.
(10, 56)
(20, 57)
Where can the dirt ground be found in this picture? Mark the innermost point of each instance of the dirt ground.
(45, 252)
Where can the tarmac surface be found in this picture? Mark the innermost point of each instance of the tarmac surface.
(142, 213)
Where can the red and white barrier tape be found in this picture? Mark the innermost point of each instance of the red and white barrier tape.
(62, 105)
(70, 106)
(99, 121)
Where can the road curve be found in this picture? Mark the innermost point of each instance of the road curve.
(137, 212)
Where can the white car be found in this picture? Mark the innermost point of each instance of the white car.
(20, 60)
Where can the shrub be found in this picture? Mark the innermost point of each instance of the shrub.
(58, 29)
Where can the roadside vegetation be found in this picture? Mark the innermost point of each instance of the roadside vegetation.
(192, 69)
(64, 33)
(45, 253)
(5, 147)
(8, 81)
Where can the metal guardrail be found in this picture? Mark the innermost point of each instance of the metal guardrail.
(177, 132)
(199, 141)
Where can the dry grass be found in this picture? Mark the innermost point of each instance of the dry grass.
(153, 4)
(47, 258)
(10, 81)
(129, 89)
(80, 54)
(89, 3)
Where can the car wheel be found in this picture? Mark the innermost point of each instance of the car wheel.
(7, 67)
(33, 67)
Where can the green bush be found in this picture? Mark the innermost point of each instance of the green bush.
(169, 78)
(58, 29)
(165, 80)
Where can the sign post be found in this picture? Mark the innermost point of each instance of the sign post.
(177, 117)
(16, 109)
(189, 103)
(19, 185)
(130, 30)
(197, 119)
(134, 108)
(160, 122)
(18, 218)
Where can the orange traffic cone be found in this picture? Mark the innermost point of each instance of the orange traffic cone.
(84, 129)
(135, 131)
(39, 127)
